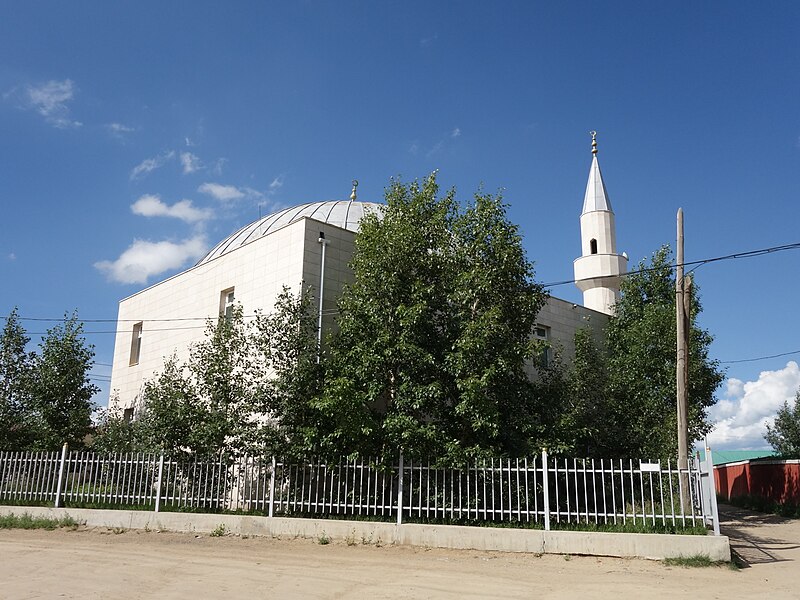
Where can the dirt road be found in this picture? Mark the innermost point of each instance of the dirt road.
(97, 563)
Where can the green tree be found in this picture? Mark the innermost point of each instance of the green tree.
(114, 432)
(15, 385)
(641, 365)
(586, 422)
(247, 388)
(434, 331)
(285, 341)
(61, 391)
(203, 406)
(784, 435)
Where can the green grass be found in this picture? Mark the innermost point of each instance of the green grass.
(26, 521)
(25, 502)
(628, 527)
(631, 527)
(696, 561)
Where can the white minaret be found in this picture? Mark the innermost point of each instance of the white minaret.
(598, 270)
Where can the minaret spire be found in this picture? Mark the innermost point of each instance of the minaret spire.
(598, 270)
(596, 197)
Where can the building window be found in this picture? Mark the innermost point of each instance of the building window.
(127, 415)
(226, 300)
(593, 246)
(136, 344)
(542, 334)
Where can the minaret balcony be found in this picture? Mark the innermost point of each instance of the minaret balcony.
(599, 270)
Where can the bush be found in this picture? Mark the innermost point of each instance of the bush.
(790, 510)
(27, 521)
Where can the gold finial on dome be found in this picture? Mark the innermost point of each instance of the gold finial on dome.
(353, 193)
(594, 141)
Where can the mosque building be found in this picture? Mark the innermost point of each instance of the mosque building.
(312, 244)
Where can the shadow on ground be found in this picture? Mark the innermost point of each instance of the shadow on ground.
(758, 538)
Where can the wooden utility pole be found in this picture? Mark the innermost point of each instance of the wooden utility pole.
(681, 378)
(687, 319)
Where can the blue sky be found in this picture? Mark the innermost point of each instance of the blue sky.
(135, 135)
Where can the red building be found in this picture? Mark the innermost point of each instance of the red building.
(778, 480)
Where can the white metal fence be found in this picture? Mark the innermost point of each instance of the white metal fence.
(541, 489)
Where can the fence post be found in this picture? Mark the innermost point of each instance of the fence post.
(272, 486)
(158, 483)
(400, 491)
(712, 490)
(546, 490)
(61, 475)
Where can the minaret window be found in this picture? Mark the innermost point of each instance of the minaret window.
(593, 246)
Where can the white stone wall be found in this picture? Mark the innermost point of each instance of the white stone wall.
(565, 318)
(338, 252)
(257, 271)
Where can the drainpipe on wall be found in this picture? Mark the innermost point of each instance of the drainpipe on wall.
(324, 243)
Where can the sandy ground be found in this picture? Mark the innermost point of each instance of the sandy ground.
(100, 563)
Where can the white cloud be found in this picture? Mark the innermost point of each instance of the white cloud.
(427, 41)
(50, 100)
(219, 164)
(441, 145)
(437, 147)
(276, 184)
(144, 259)
(150, 205)
(741, 417)
(190, 163)
(151, 164)
(118, 129)
(223, 193)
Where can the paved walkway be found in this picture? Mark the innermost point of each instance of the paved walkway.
(761, 540)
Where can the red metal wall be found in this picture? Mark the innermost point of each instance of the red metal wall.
(778, 480)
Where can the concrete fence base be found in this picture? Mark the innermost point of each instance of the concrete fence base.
(640, 545)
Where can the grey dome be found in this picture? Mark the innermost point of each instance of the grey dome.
(341, 213)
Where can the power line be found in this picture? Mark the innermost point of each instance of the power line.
(695, 263)
(332, 312)
(745, 360)
(61, 319)
(115, 331)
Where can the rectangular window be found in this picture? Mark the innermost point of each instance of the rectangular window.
(226, 300)
(127, 415)
(136, 344)
(542, 333)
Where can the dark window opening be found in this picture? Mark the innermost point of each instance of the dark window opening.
(593, 246)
